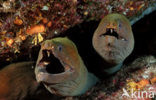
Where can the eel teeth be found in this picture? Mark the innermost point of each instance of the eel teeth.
(111, 30)
(48, 53)
(123, 39)
(46, 63)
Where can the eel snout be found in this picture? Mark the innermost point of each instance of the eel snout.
(111, 32)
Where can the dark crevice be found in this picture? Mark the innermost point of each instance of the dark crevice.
(55, 66)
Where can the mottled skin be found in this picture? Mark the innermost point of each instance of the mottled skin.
(75, 80)
(17, 82)
(113, 39)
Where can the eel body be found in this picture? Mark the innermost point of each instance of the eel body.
(60, 68)
(113, 39)
(17, 81)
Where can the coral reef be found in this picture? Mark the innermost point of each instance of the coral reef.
(19, 18)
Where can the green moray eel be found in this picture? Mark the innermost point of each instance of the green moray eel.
(60, 68)
(113, 40)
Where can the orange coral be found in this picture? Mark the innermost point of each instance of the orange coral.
(137, 85)
(18, 21)
(49, 24)
(153, 80)
(22, 37)
(143, 83)
(45, 20)
(36, 29)
(0, 24)
(9, 42)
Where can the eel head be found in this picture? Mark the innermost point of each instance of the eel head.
(60, 68)
(57, 61)
(113, 38)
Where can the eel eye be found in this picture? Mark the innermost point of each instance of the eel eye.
(120, 25)
(60, 47)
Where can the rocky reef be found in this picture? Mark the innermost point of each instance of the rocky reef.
(25, 24)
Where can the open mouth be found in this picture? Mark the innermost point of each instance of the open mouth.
(53, 65)
(111, 32)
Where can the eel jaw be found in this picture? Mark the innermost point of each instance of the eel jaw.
(112, 32)
(52, 64)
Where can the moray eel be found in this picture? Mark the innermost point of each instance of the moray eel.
(17, 82)
(113, 40)
(60, 68)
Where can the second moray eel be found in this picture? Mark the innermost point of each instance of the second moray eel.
(61, 69)
(113, 40)
(17, 82)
